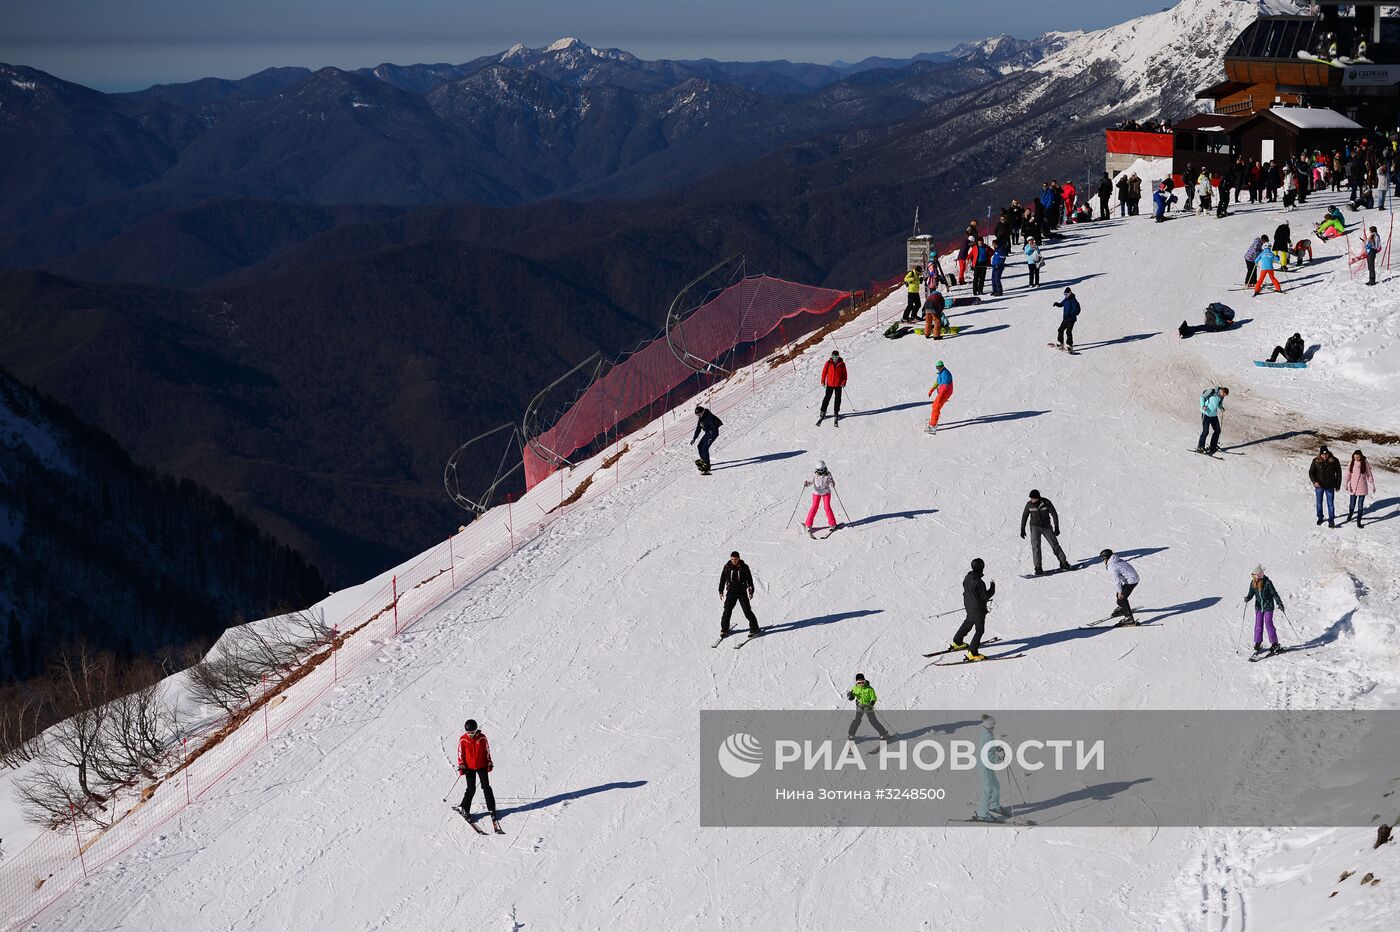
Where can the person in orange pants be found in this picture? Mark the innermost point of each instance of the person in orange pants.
(1266, 263)
(943, 390)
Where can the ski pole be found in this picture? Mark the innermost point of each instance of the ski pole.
(1244, 624)
(1291, 626)
(795, 507)
(452, 787)
(842, 504)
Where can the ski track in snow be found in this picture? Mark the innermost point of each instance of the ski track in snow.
(585, 655)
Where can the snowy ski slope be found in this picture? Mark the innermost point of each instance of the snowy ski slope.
(586, 656)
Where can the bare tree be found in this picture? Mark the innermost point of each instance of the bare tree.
(249, 654)
(22, 716)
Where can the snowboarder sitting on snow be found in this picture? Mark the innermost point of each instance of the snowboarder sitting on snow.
(1265, 598)
(1292, 350)
(822, 483)
(833, 379)
(705, 423)
(1125, 578)
(736, 588)
(1064, 336)
(863, 695)
(977, 597)
(1333, 224)
(1212, 400)
(1044, 522)
(474, 762)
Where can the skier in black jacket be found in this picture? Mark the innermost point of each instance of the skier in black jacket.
(736, 588)
(705, 423)
(1044, 522)
(976, 595)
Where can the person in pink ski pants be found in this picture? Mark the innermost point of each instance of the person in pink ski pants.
(822, 483)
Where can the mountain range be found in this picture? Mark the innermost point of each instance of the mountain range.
(302, 289)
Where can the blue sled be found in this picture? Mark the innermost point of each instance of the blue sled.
(1280, 365)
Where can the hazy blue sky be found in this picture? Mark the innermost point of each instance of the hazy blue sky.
(126, 44)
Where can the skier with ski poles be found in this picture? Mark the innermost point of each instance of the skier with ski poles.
(1372, 248)
(474, 762)
(823, 484)
(863, 695)
(989, 807)
(1044, 522)
(1125, 580)
(707, 424)
(833, 380)
(977, 597)
(1265, 598)
(943, 388)
(736, 588)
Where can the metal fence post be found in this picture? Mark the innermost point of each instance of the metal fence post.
(395, 583)
(73, 817)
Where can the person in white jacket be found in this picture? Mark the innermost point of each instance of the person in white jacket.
(1204, 192)
(1125, 578)
(822, 483)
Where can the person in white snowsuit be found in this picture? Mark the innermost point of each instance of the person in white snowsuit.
(989, 807)
(823, 483)
(1125, 578)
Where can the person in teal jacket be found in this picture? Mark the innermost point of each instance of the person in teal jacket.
(989, 807)
(863, 695)
(1212, 400)
(1265, 598)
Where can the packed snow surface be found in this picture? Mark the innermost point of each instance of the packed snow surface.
(586, 655)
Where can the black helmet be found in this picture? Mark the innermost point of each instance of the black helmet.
(978, 565)
(1035, 493)
(699, 410)
(470, 725)
(1105, 553)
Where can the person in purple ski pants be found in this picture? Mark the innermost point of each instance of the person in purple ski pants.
(1265, 598)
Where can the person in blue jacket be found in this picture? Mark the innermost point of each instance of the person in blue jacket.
(998, 266)
(1161, 198)
(1212, 400)
(1266, 262)
(1064, 337)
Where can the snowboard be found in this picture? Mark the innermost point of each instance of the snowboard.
(704, 469)
(1057, 570)
(1263, 364)
(896, 331)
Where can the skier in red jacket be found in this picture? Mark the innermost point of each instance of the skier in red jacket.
(834, 378)
(474, 762)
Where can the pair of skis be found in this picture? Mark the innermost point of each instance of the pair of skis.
(751, 637)
(836, 419)
(956, 650)
(495, 823)
(1062, 349)
(1259, 655)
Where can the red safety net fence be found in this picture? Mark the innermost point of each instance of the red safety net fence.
(739, 326)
